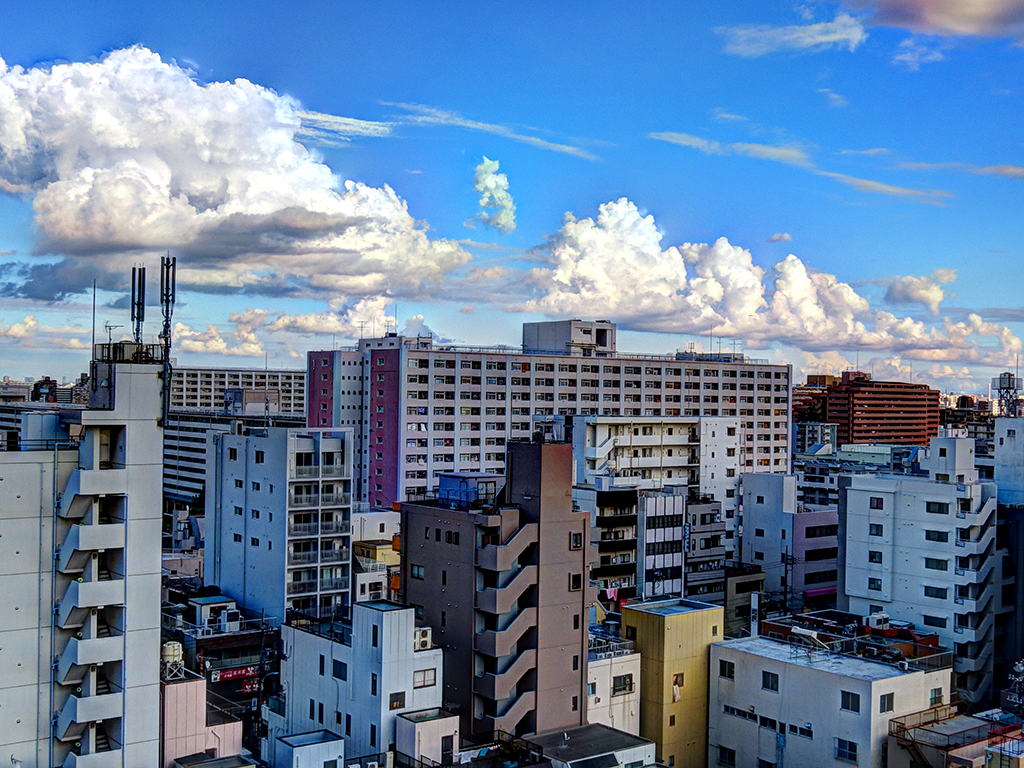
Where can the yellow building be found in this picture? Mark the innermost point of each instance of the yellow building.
(673, 637)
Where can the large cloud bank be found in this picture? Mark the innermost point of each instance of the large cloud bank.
(615, 266)
(129, 154)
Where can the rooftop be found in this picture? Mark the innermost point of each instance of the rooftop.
(424, 715)
(585, 742)
(313, 737)
(384, 605)
(674, 607)
(851, 666)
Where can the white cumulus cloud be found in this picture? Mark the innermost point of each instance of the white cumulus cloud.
(494, 195)
(926, 290)
(129, 154)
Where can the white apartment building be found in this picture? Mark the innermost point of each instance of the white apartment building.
(796, 546)
(774, 703)
(427, 408)
(278, 512)
(354, 678)
(923, 550)
(80, 576)
(204, 387)
(613, 684)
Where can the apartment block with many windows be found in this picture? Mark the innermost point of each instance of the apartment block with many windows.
(204, 387)
(425, 408)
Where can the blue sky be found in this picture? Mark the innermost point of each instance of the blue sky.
(831, 183)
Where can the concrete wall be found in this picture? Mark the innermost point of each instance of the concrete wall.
(184, 729)
(621, 711)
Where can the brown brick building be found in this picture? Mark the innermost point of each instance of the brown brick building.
(869, 411)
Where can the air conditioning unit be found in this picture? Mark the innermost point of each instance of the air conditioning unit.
(371, 764)
(903, 665)
(421, 639)
(877, 621)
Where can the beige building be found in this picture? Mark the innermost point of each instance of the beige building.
(613, 684)
(189, 725)
(674, 637)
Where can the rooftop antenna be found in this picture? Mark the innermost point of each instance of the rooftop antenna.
(94, 315)
(138, 302)
(109, 328)
(168, 281)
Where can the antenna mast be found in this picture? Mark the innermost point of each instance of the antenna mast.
(138, 301)
(168, 280)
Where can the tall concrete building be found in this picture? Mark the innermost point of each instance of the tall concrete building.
(206, 387)
(425, 408)
(502, 578)
(924, 550)
(80, 576)
(866, 411)
(278, 512)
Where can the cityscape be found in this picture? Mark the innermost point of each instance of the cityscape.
(688, 474)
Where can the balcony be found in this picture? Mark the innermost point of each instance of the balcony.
(500, 642)
(977, 628)
(303, 472)
(332, 584)
(501, 599)
(82, 596)
(301, 587)
(79, 711)
(80, 654)
(499, 557)
(84, 484)
(82, 540)
(335, 526)
(303, 499)
(500, 686)
(332, 470)
(111, 758)
(303, 558)
(616, 521)
(335, 499)
(335, 555)
(303, 529)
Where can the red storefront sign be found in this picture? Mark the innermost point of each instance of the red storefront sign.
(252, 685)
(219, 675)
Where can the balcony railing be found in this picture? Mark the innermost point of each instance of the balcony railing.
(306, 472)
(335, 526)
(334, 555)
(303, 529)
(301, 587)
(302, 558)
(330, 499)
(332, 584)
(303, 499)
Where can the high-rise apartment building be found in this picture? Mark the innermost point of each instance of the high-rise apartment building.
(205, 387)
(425, 408)
(924, 550)
(866, 411)
(503, 581)
(278, 511)
(80, 580)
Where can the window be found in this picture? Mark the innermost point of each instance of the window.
(255, 485)
(374, 632)
(254, 542)
(874, 556)
(760, 499)
(424, 678)
(312, 709)
(397, 700)
(238, 537)
(373, 683)
(238, 510)
(373, 735)
(885, 703)
(876, 502)
(769, 681)
(575, 703)
(934, 564)
(622, 684)
(727, 757)
(340, 670)
(260, 457)
(591, 689)
(232, 454)
(759, 532)
(239, 483)
(846, 750)
(936, 697)
(575, 582)
(941, 536)
(758, 555)
(416, 571)
(348, 725)
(323, 663)
(575, 541)
(875, 585)
(934, 621)
(875, 529)
(939, 592)
(849, 701)
(726, 669)
(937, 508)
(255, 514)
(575, 663)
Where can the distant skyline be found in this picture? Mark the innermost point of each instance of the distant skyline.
(830, 183)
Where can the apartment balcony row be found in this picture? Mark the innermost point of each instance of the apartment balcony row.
(340, 555)
(324, 527)
(86, 484)
(83, 596)
(84, 540)
(308, 586)
(508, 714)
(319, 470)
(300, 500)
(98, 700)
(502, 599)
(82, 653)
(499, 642)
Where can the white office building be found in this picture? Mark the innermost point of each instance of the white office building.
(354, 678)
(80, 576)
(923, 550)
(278, 507)
(774, 703)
